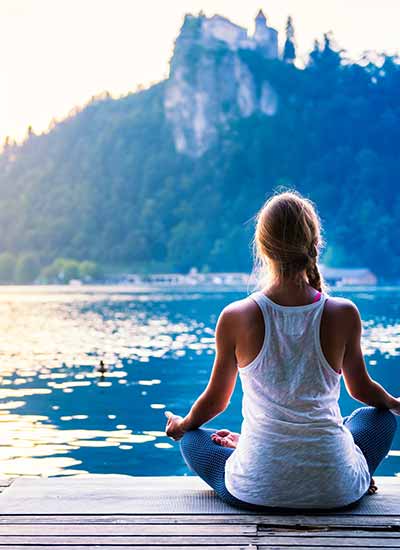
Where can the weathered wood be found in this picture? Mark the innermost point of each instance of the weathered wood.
(124, 529)
(264, 522)
(111, 547)
(173, 540)
(107, 547)
(191, 531)
(291, 545)
(329, 533)
(314, 540)
(186, 529)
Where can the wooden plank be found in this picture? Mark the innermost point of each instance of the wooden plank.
(126, 529)
(115, 540)
(317, 541)
(107, 547)
(328, 533)
(186, 529)
(140, 547)
(340, 521)
(187, 541)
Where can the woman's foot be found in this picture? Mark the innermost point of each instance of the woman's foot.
(226, 438)
(372, 487)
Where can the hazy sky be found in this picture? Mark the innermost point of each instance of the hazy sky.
(58, 53)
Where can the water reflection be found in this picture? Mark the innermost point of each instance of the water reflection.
(86, 375)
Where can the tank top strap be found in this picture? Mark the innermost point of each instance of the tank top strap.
(259, 298)
(317, 296)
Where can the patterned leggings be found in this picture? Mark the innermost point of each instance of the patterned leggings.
(373, 431)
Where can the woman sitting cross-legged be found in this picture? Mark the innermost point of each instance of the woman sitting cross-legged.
(290, 342)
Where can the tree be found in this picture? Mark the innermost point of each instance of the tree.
(325, 57)
(90, 271)
(289, 50)
(27, 269)
(70, 270)
(62, 270)
(7, 267)
(50, 273)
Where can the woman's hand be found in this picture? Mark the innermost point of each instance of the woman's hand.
(396, 408)
(174, 427)
(226, 438)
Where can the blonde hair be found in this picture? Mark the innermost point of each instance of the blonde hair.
(288, 232)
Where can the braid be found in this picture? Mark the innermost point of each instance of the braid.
(288, 235)
(313, 274)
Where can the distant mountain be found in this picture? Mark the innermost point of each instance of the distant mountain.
(170, 177)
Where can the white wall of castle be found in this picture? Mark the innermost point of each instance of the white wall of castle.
(218, 28)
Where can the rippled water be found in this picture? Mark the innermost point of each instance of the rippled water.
(60, 416)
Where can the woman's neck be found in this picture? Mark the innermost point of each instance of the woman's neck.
(289, 292)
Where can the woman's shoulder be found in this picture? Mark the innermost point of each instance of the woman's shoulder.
(339, 303)
(342, 310)
(241, 311)
(241, 305)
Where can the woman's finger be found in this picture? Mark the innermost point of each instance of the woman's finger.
(223, 433)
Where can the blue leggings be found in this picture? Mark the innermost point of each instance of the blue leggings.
(373, 431)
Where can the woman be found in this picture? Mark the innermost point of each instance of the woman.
(290, 343)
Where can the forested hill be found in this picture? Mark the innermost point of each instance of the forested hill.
(128, 182)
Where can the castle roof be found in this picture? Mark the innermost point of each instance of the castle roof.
(260, 15)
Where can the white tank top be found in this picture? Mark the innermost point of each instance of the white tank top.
(294, 450)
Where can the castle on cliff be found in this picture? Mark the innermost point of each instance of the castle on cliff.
(212, 83)
(264, 39)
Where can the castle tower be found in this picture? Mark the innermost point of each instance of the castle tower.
(261, 20)
(266, 38)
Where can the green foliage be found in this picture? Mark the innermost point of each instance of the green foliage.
(64, 270)
(27, 268)
(7, 267)
(89, 271)
(107, 185)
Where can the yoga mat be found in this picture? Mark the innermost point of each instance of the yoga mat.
(149, 495)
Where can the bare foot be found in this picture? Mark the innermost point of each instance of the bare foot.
(226, 438)
(372, 488)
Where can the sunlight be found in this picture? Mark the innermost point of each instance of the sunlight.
(68, 51)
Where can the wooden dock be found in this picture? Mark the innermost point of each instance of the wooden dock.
(56, 515)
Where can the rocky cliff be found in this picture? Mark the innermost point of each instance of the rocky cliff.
(211, 81)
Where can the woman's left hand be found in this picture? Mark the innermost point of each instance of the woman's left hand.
(174, 428)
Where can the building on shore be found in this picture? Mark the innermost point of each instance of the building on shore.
(348, 276)
(334, 276)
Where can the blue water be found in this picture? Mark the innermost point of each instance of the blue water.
(59, 416)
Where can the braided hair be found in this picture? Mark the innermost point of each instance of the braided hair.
(288, 232)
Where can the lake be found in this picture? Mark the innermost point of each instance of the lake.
(60, 416)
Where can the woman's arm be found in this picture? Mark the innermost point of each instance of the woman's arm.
(216, 397)
(357, 379)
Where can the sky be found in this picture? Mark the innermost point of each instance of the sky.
(56, 54)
